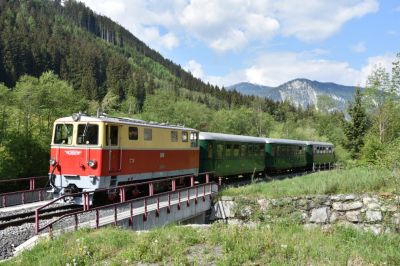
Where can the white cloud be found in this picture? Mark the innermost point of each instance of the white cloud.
(317, 20)
(287, 66)
(373, 62)
(195, 68)
(231, 25)
(359, 47)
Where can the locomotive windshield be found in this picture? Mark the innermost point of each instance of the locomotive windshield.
(63, 134)
(87, 134)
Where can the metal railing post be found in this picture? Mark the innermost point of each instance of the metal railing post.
(36, 221)
(173, 184)
(151, 189)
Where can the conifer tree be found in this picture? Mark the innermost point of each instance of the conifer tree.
(356, 129)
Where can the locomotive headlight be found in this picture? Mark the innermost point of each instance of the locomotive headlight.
(52, 162)
(92, 163)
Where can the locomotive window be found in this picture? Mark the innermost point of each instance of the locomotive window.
(236, 150)
(174, 136)
(184, 136)
(112, 135)
(133, 133)
(87, 134)
(148, 134)
(194, 136)
(63, 134)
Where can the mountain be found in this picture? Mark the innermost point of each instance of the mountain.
(301, 92)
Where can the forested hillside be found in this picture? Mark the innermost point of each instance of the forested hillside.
(59, 58)
(94, 54)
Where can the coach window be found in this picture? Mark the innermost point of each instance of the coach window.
(133, 133)
(261, 149)
(209, 151)
(174, 136)
(87, 134)
(228, 152)
(243, 150)
(63, 134)
(235, 150)
(184, 136)
(220, 151)
(148, 134)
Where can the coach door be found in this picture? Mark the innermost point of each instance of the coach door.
(114, 149)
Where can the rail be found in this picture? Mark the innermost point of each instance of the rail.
(32, 194)
(122, 192)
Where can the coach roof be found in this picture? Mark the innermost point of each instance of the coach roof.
(229, 137)
(285, 141)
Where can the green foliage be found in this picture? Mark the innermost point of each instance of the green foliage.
(27, 114)
(355, 180)
(356, 129)
(277, 244)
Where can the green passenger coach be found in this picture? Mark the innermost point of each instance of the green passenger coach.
(320, 155)
(230, 155)
(282, 155)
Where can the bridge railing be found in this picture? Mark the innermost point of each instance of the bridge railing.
(205, 177)
(34, 193)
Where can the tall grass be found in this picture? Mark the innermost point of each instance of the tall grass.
(280, 244)
(356, 180)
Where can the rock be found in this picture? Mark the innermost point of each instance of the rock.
(234, 222)
(264, 203)
(373, 216)
(227, 198)
(339, 206)
(302, 204)
(333, 218)
(319, 215)
(353, 216)
(376, 229)
(396, 219)
(390, 208)
(224, 209)
(343, 197)
(246, 211)
(373, 206)
(368, 200)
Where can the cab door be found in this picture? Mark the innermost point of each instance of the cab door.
(114, 148)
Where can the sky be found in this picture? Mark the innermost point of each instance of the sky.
(266, 42)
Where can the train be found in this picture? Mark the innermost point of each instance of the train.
(89, 153)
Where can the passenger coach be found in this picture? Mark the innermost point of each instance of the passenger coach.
(89, 153)
(230, 155)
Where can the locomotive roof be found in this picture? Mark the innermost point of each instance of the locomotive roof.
(285, 141)
(229, 137)
(122, 120)
(319, 143)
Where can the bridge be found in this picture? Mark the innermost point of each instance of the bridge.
(154, 210)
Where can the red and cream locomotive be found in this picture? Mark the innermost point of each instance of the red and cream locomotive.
(89, 153)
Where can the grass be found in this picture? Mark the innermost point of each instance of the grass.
(280, 244)
(356, 180)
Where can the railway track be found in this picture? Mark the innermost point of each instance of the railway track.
(29, 217)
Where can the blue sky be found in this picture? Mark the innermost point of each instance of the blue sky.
(264, 41)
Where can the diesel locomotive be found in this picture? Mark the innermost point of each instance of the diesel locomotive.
(94, 152)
